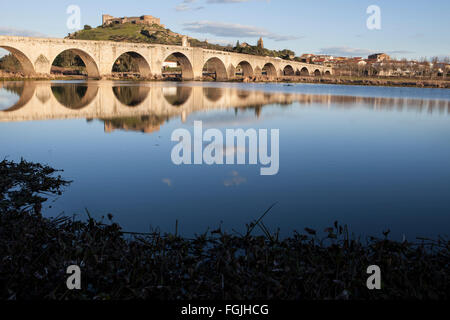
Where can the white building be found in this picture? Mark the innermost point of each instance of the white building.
(170, 64)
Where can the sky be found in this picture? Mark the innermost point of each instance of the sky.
(410, 29)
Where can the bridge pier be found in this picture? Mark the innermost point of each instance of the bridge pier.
(198, 63)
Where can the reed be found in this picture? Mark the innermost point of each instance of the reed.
(35, 252)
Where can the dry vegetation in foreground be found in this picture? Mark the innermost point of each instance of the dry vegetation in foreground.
(35, 252)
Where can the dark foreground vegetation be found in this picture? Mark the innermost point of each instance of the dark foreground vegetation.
(35, 253)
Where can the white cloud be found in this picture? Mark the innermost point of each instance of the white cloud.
(353, 52)
(221, 29)
(167, 181)
(227, 1)
(186, 5)
(345, 51)
(182, 7)
(6, 31)
(235, 180)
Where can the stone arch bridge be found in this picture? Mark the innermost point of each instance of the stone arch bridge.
(36, 56)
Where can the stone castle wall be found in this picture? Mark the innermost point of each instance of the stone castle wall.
(147, 20)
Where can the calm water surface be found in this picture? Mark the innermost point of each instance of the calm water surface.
(374, 158)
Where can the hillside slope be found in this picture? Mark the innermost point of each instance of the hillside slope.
(156, 34)
(129, 32)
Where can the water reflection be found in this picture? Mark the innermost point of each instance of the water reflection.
(131, 95)
(14, 95)
(154, 104)
(74, 95)
(213, 94)
(144, 124)
(243, 94)
(377, 161)
(177, 96)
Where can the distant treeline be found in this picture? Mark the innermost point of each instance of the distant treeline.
(435, 68)
(247, 49)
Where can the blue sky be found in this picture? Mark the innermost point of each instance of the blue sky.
(411, 29)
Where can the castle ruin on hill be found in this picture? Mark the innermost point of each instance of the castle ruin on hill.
(146, 20)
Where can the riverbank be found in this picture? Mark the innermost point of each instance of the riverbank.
(384, 82)
(361, 81)
(17, 76)
(115, 264)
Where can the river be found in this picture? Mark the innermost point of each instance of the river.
(374, 158)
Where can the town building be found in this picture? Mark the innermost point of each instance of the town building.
(379, 57)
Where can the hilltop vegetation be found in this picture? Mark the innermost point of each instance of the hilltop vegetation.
(156, 34)
(128, 33)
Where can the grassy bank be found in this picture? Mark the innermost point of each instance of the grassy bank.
(18, 76)
(397, 82)
(36, 251)
(374, 81)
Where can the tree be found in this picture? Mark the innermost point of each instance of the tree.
(10, 63)
(87, 27)
(286, 54)
(68, 59)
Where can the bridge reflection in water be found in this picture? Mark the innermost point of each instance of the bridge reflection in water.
(146, 106)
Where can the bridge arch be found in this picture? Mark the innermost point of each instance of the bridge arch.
(288, 70)
(246, 69)
(270, 70)
(217, 67)
(304, 71)
(25, 91)
(328, 73)
(213, 94)
(317, 73)
(187, 71)
(131, 95)
(89, 62)
(74, 96)
(177, 96)
(138, 60)
(243, 94)
(24, 60)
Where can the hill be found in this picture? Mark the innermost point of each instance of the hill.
(128, 33)
(157, 34)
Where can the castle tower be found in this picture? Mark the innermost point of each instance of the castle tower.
(260, 43)
(184, 41)
(106, 18)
